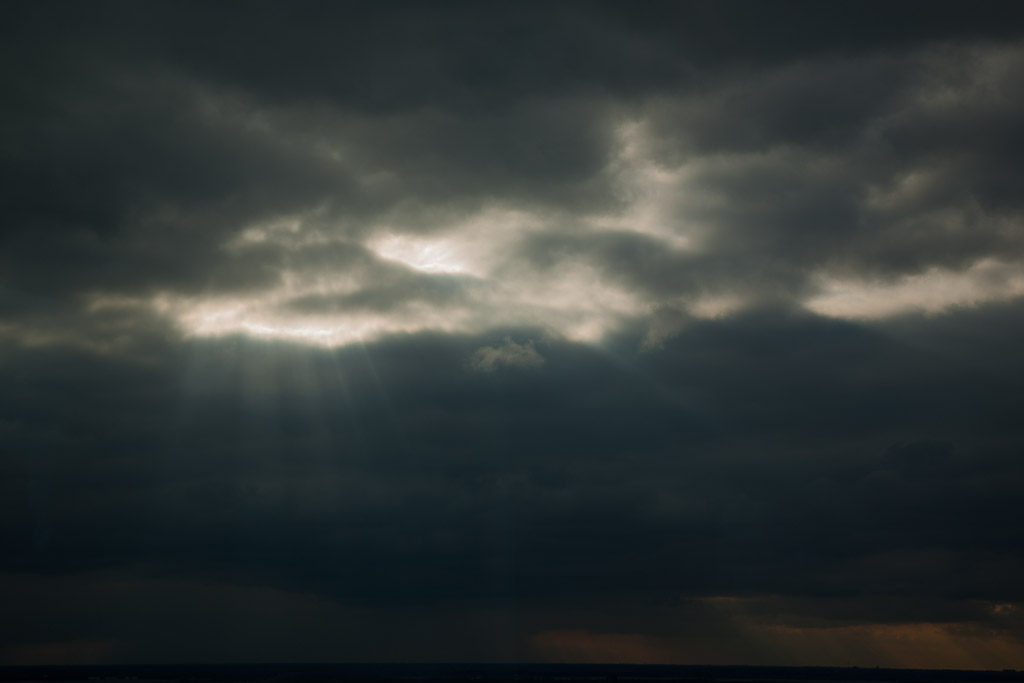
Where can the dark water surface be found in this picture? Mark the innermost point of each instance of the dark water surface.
(484, 673)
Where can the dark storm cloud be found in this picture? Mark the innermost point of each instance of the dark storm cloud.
(858, 162)
(433, 469)
(143, 138)
(585, 397)
(128, 185)
(766, 455)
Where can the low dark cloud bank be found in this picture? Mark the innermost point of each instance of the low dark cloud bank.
(687, 332)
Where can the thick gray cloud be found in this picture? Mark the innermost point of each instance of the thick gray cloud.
(511, 332)
(768, 455)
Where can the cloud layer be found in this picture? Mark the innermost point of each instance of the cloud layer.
(512, 332)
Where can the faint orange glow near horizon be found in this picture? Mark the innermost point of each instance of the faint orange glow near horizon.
(767, 631)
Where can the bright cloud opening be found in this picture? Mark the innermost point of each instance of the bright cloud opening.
(932, 291)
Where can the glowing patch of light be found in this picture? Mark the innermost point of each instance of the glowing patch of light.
(294, 331)
(572, 299)
(328, 332)
(430, 256)
(932, 291)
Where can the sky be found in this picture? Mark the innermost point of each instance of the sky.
(652, 332)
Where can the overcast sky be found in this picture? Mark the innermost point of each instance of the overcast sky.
(682, 332)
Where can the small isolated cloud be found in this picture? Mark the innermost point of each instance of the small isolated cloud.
(489, 358)
(666, 322)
